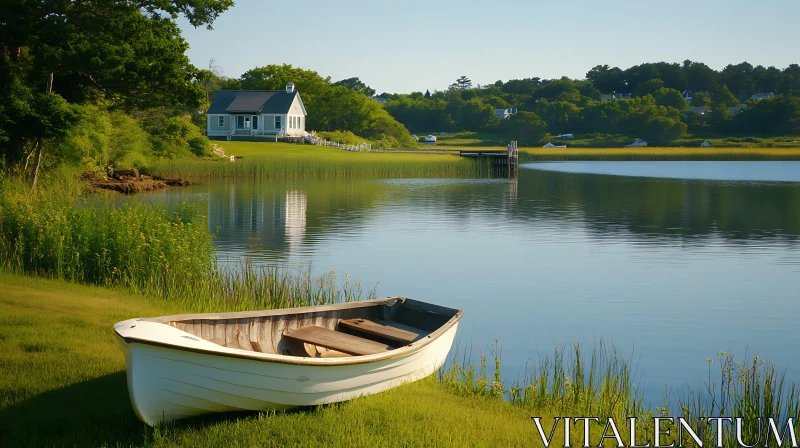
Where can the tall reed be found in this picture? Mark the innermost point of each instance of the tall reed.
(283, 165)
(562, 383)
(146, 249)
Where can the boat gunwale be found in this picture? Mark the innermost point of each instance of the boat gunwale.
(306, 361)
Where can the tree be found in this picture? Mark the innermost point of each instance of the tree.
(701, 99)
(660, 130)
(739, 78)
(427, 94)
(463, 83)
(719, 114)
(606, 79)
(525, 127)
(670, 98)
(275, 77)
(57, 54)
(649, 87)
(357, 85)
(473, 114)
(699, 76)
(722, 95)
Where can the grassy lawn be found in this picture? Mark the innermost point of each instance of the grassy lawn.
(62, 383)
(282, 160)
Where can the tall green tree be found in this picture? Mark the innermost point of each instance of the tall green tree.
(356, 84)
(58, 54)
(463, 83)
(525, 127)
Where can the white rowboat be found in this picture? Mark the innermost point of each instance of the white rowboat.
(192, 364)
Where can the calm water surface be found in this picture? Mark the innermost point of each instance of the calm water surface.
(671, 270)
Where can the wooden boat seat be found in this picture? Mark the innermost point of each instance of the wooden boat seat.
(393, 332)
(335, 340)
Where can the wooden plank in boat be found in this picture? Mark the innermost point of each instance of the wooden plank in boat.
(255, 335)
(352, 345)
(231, 340)
(243, 335)
(392, 331)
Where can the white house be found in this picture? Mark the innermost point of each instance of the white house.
(505, 113)
(256, 113)
(761, 96)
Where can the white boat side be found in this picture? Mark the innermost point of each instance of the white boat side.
(173, 374)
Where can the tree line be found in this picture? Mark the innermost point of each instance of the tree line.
(645, 101)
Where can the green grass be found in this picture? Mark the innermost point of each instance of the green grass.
(282, 160)
(62, 384)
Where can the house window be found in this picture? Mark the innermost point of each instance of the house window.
(240, 122)
(254, 122)
(277, 122)
(221, 121)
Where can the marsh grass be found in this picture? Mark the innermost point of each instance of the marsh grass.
(145, 249)
(749, 389)
(280, 160)
(561, 382)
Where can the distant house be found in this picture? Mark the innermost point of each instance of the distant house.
(697, 110)
(761, 96)
(608, 97)
(735, 110)
(257, 113)
(379, 99)
(687, 96)
(505, 113)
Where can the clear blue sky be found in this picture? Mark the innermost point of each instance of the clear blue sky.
(426, 44)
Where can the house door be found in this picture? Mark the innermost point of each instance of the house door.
(254, 122)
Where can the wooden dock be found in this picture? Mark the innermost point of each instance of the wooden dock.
(506, 158)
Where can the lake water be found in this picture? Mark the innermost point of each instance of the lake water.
(670, 261)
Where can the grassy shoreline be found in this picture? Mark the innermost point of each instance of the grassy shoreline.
(62, 383)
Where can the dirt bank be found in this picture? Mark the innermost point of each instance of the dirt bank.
(131, 184)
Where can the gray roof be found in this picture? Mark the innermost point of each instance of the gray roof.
(252, 102)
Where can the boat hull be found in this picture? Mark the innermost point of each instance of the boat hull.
(167, 384)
